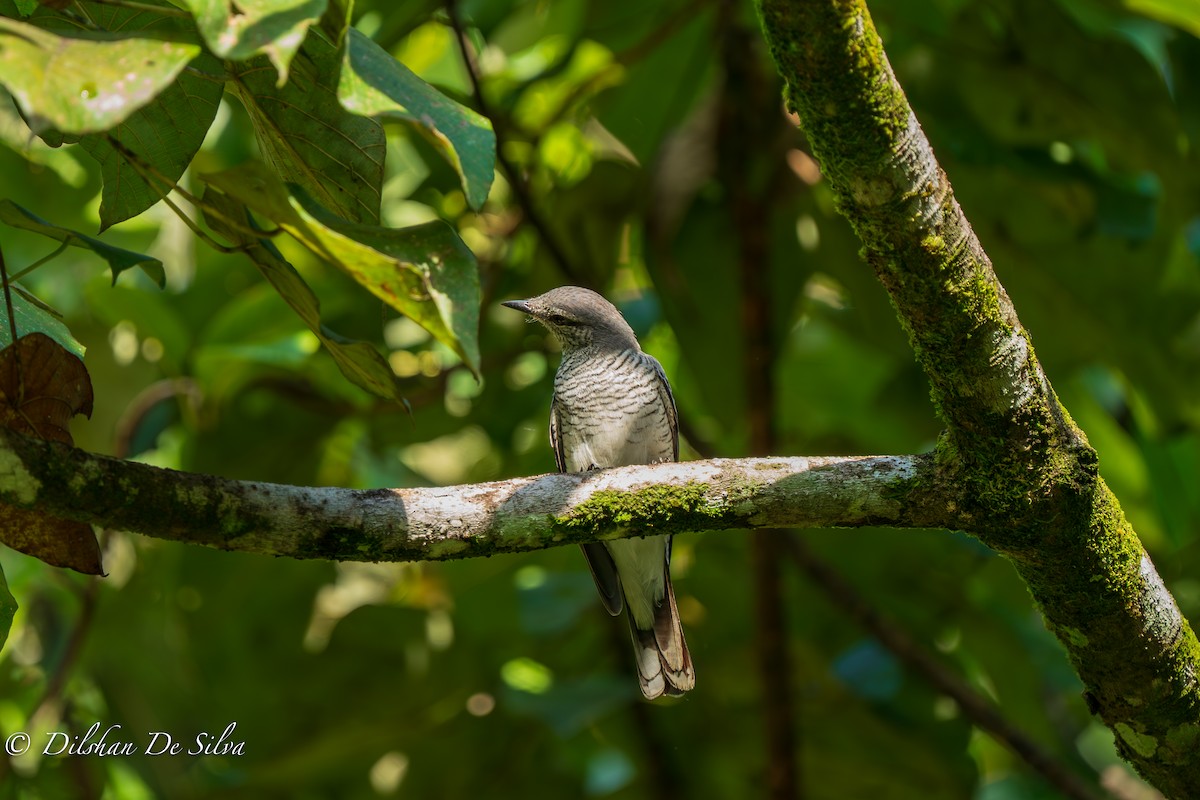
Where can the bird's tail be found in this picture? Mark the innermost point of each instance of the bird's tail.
(664, 664)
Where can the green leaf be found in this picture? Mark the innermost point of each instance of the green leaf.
(85, 85)
(165, 134)
(425, 272)
(306, 135)
(274, 28)
(118, 260)
(15, 135)
(360, 362)
(8, 607)
(376, 85)
(34, 316)
(1183, 14)
(338, 19)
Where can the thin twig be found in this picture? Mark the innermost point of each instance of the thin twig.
(18, 401)
(630, 56)
(520, 189)
(44, 259)
(62, 670)
(775, 670)
(12, 322)
(165, 11)
(978, 709)
(150, 173)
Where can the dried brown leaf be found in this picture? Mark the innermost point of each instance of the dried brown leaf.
(42, 386)
(59, 542)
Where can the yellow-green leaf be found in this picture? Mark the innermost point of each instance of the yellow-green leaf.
(118, 259)
(242, 30)
(374, 84)
(1183, 14)
(306, 135)
(425, 272)
(79, 85)
(360, 362)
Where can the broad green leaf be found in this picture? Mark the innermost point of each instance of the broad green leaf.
(376, 85)
(424, 272)
(360, 362)
(441, 268)
(33, 316)
(164, 136)
(274, 28)
(8, 607)
(85, 85)
(15, 134)
(1183, 14)
(118, 260)
(305, 134)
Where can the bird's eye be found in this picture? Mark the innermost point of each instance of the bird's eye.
(559, 319)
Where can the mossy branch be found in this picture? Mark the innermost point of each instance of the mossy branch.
(435, 524)
(1028, 480)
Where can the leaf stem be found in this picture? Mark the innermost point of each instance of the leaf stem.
(63, 246)
(150, 174)
(12, 322)
(166, 11)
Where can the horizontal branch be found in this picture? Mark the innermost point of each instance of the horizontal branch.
(434, 524)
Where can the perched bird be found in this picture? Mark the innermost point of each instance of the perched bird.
(612, 407)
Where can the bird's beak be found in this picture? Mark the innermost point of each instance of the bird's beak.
(519, 305)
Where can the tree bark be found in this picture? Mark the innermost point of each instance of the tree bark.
(1022, 475)
(441, 523)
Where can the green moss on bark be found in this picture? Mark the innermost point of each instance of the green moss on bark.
(662, 509)
(1017, 470)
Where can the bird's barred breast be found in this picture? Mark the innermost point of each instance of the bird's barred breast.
(611, 412)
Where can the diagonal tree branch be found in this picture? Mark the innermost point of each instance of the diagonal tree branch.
(435, 524)
(1023, 475)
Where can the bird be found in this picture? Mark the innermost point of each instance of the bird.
(612, 407)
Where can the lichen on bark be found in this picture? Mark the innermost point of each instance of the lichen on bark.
(1017, 470)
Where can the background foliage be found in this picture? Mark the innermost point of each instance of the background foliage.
(650, 146)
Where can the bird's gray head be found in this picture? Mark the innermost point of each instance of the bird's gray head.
(579, 318)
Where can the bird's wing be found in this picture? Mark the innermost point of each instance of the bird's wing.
(560, 458)
(604, 572)
(668, 400)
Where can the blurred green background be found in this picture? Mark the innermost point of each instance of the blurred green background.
(656, 154)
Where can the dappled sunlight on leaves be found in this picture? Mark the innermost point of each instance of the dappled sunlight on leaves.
(1068, 130)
